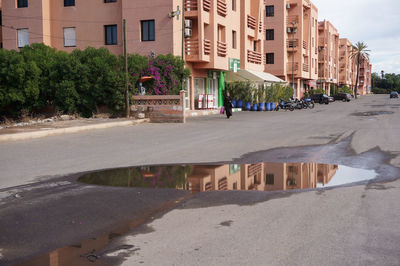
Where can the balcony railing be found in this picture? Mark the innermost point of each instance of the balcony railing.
(191, 5)
(251, 22)
(221, 49)
(191, 47)
(260, 26)
(292, 43)
(207, 5)
(254, 57)
(306, 67)
(290, 67)
(221, 8)
(305, 45)
(207, 47)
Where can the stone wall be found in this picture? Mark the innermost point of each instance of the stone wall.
(160, 108)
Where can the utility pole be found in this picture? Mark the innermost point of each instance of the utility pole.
(126, 72)
(293, 32)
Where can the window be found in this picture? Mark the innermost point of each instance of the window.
(234, 46)
(110, 34)
(148, 31)
(269, 11)
(269, 34)
(22, 3)
(255, 46)
(234, 5)
(69, 37)
(269, 179)
(69, 2)
(269, 58)
(110, 1)
(23, 37)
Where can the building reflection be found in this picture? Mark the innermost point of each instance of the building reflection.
(260, 176)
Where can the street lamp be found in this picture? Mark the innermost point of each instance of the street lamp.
(294, 30)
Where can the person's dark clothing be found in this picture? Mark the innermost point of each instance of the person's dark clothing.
(228, 106)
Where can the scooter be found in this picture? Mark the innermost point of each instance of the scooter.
(284, 105)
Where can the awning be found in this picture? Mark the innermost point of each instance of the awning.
(252, 75)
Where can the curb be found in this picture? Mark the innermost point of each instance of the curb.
(59, 131)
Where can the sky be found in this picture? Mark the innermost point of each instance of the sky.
(375, 22)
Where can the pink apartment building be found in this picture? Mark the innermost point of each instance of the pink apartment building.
(345, 64)
(291, 42)
(328, 46)
(216, 37)
(364, 79)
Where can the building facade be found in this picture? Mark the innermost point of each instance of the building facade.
(346, 77)
(215, 36)
(291, 43)
(328, 62)
(364, 79)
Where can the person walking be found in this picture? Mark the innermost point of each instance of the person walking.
(228, 105)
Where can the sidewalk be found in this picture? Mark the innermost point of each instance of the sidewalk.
(27, 131)
(61, 127)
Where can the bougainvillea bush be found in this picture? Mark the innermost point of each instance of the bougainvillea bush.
(168, 72)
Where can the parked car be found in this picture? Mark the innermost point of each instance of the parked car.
(346, 97)
(320, 98)
(331, 99)
(394, 94)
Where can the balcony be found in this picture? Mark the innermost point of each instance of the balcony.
(290, 67)
(190, 5)
(207, 5)
(290, 19)
(207, 47)
(306, 67)
(221, 49)
(292, 44)
(254, 57)
(251, 22)
(305, 45)
(192, 49)
(221, 8)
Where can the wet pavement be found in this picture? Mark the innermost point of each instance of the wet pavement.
(56, 219)
(97, 209)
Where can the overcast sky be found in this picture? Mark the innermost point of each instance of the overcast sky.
(376, 22)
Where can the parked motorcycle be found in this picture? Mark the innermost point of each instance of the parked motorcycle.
(308, 103)
(285, 105)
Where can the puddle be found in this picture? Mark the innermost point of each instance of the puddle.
(373, 113)
(264, 176)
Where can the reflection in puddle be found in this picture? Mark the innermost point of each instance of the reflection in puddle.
(196, 178)
(261, 176)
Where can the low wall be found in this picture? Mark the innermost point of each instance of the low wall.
(160, 108)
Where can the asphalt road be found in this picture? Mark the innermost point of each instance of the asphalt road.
(203, 139)
(40, 210)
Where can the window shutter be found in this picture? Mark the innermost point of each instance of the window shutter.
(69, 37)
(23, 37)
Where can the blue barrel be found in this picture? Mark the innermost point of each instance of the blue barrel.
(272, 106)
(234, 103)
(239, 104)
(248, 106)
(255, 107)
(268, 107)
(261, 107)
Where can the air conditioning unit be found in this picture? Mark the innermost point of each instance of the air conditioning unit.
(288, 5)
(188, 33)
(289, 30)
(188, 23)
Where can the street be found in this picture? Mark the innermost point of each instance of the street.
(43, 208)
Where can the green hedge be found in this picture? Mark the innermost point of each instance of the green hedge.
(79, 82)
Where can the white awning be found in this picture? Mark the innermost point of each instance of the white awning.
(252, 75)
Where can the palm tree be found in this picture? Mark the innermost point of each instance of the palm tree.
(359, 52)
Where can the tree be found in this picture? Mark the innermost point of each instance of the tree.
(359, 53)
